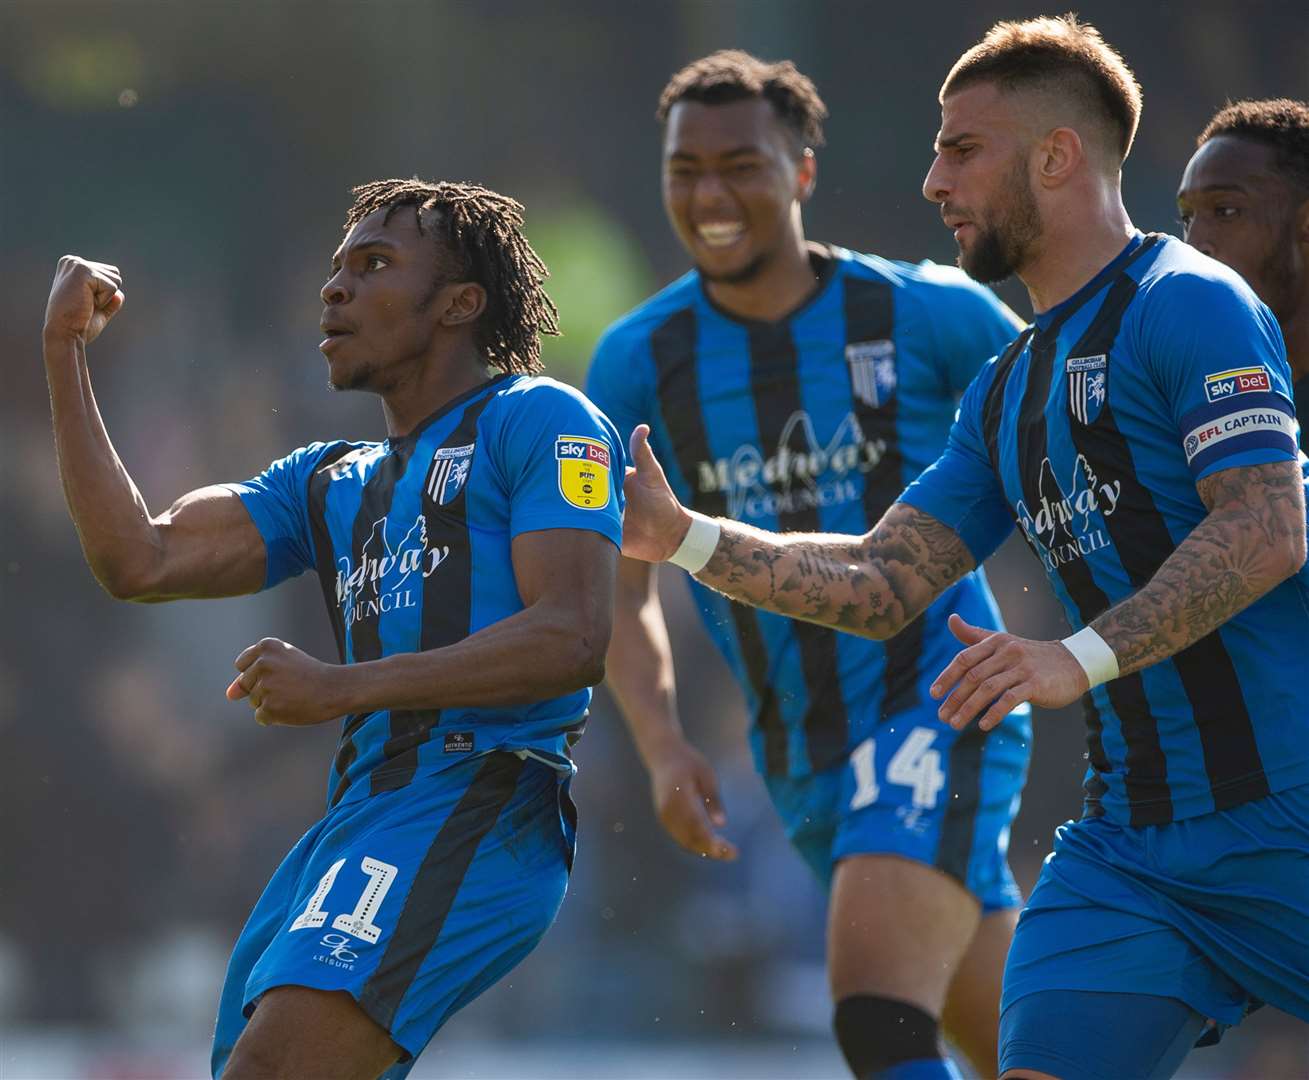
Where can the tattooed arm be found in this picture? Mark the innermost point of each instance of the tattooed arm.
(1252, 539)
(872, 585)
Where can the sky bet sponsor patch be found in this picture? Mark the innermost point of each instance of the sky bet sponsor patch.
(583, 471)
(1244, 380)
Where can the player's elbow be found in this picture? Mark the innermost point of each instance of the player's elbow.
(587, 643)
(1292, 553)
(129, 582)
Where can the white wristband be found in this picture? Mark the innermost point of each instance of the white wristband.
(1092, 651)
(698, 544)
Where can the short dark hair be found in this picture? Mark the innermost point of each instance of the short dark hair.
(734, 75)
(1049, 53)
(1280, 123)
(481, 233)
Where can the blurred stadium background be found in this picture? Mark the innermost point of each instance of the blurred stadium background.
(208, 149)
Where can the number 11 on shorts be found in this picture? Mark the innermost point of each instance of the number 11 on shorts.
(360, 921)
(915, 764)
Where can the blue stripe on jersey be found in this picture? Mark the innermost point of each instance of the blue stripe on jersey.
(1096, 473)
(412, 539)
(814, 422)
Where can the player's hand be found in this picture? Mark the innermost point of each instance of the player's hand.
(997, 672)
(286, 686)
(685, 792)
(84, 297)
(655, 523)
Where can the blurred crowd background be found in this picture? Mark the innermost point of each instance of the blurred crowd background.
(208, 149)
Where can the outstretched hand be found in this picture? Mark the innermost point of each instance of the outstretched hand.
(655, 523)
(997, 672)
(685, 792)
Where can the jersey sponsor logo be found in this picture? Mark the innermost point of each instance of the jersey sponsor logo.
(1244, 380)
(872, 371)
(1245, 422)
(385, 573)
(450, 466)
(1088, 385)
(583, 471)
(1067, 523)
(821, 474)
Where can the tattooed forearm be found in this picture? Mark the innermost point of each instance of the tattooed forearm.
(872, 585)
(1253, 539)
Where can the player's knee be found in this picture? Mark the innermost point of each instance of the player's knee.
(876, 1034)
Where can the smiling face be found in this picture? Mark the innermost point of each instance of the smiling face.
(380, 314)
(980, 180)
(733, 183)
(1236, 207)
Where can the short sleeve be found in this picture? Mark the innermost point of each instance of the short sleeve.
(561, 462)
(1216, 354)
(617, 385)
(960, 489)
(277, 501)
(971, 325)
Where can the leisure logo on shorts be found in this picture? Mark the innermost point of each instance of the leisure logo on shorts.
(1244, 380)
(583, 471)
(339, 954)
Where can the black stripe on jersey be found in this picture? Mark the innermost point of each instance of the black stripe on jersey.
(446, 612)
(1142, 543)
(437, 884)
(374, 505)
(965, 796)
(1037, 479)
(673, 347)
(870, 316)
(992, 414)
(325, 559)
(775, 383)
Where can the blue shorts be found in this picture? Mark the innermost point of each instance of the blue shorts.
(413, 901)
(920, 790)
(1212, 911)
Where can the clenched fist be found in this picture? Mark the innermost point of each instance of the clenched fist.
(84, 297)
(286, 686)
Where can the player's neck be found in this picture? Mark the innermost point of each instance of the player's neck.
(784, 283)
(431, 384)
(1075, 245)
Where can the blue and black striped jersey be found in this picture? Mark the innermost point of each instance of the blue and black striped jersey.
(1090, 432)
(815, 422)
(411, 538)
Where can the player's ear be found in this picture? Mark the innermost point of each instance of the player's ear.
(1059, 155)
(464, 302)
(1301, 220)
(806, 175)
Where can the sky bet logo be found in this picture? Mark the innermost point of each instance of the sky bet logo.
(1226, 384)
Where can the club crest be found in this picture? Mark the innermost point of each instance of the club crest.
(872, 371)
(449, 473)
(1088, 386)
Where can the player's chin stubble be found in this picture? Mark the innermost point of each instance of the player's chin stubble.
(1001, 247)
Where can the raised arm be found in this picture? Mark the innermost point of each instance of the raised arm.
(205, 545)
(872, 585)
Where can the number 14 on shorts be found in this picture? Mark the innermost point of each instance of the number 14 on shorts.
(915, 764)
(359, 922)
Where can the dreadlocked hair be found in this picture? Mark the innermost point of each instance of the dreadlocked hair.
(481, 232)
(734, 75)
(1280, 123)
